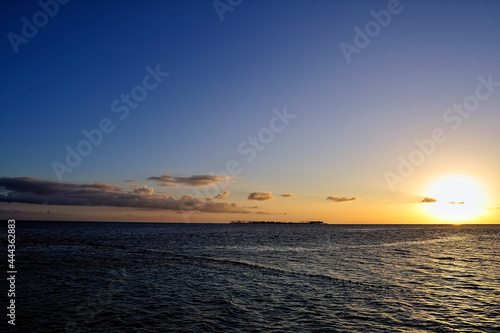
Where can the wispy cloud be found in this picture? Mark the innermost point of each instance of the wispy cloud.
(223, 195)
(457, 203)
(428, 199)
(341, 199)
(34, 191)
(287, 195)
(260, 195)
(196, 180)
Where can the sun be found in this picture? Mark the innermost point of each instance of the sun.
(455, 198)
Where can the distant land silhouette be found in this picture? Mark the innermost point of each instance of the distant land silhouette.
(275, 222)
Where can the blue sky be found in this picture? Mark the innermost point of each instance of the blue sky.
(352, 120)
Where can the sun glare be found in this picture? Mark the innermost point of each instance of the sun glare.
(455, 198)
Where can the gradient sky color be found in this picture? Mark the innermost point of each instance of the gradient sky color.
(227, 80)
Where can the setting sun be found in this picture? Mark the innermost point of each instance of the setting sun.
(455, 198)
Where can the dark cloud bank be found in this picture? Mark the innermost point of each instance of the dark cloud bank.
(34, 191)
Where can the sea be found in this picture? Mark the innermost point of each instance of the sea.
(181, 277)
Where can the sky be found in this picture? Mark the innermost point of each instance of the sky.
(212, 111)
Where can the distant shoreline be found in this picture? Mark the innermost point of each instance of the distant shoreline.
(275, 222)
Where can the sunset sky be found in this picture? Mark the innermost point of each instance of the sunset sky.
(186, 111)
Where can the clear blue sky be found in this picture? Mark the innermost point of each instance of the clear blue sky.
(352, 120)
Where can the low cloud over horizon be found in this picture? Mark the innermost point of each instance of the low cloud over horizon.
(341, 199)
(47, 192)
(260, 195)
(196, 180)
(13, 211)
(427, 199)
(223, 195)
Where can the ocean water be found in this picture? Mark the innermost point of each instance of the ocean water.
(147, 277)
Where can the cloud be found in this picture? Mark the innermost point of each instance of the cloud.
(196, 180)
(287, 195)
(457, 203)
(427, 199)
(18, 212)
(35, 191)
(261, 196)
(341, 199)
(40, 187)
(223, 195)
(144, 190)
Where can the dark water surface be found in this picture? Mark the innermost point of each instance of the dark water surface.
(145, 277)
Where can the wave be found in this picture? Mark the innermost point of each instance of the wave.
(345, 283)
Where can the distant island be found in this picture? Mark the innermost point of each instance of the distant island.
(275, 222)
